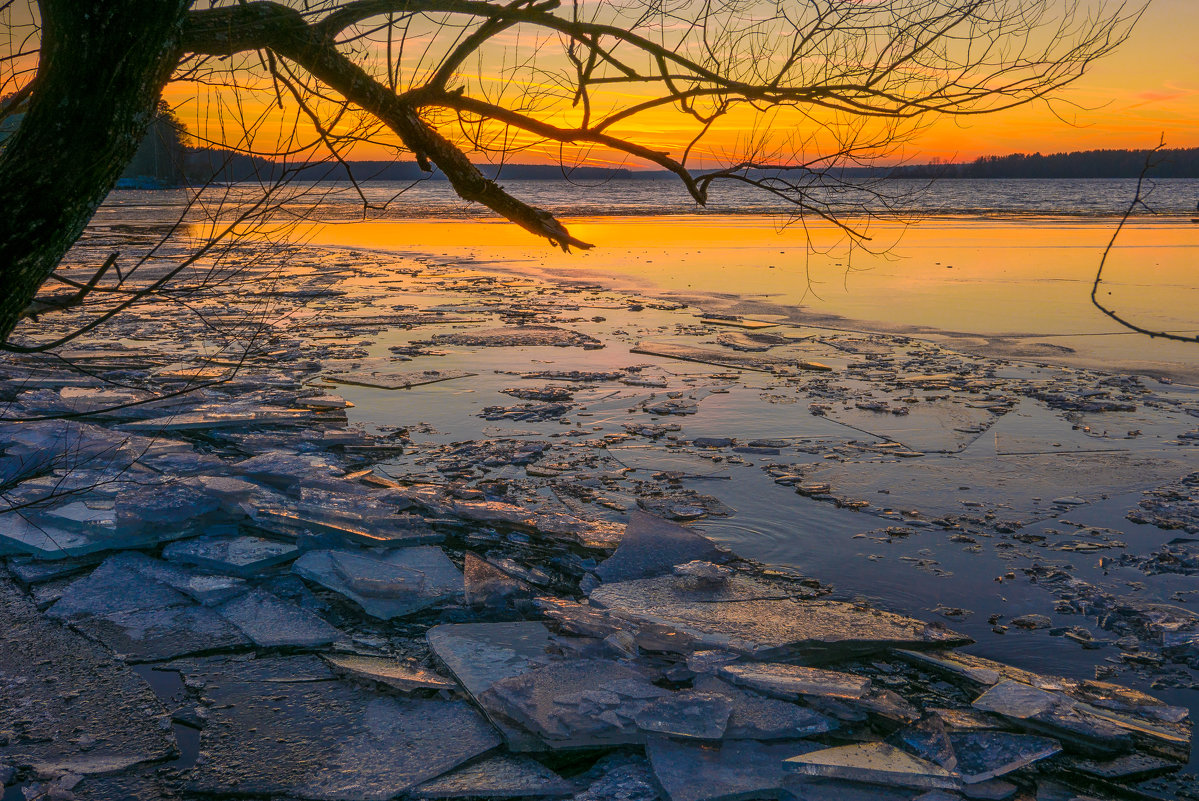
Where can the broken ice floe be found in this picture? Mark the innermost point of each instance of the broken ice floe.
(873, 763)
(69, 706)
(394, 380)
(480, 655)
(724, 358)
(399, 583)
(262, 480)
(651, 546)
(231, 555)
(324, 740)
(498, 777)
(519, 336)
(575, 704)
(405, 678)
(764, 619)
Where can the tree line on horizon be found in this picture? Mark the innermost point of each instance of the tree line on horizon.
(199, 165)
(1167, 163)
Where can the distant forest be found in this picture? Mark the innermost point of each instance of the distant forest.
(204, 164)
(165, 159)
(1079, 164)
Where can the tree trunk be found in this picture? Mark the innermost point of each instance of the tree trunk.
(101, 70)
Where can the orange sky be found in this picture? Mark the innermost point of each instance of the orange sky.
(1147, 89)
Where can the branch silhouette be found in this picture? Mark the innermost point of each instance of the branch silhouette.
(1138, 201)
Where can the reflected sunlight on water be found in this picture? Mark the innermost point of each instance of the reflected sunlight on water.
(967, 279)
(1012, 259)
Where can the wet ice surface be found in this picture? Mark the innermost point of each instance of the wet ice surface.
(425, 474)
(324, 739)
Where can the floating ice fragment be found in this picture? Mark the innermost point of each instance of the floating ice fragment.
(384, 670)
(404, 582)
(236, 556)
(687, 714)
(502, 776)
(794, 682)
(329, 740)
(580, 703)
(729, 771)
(283, 469)
(392, 380)
(273, 623)
(763, 619)
(481, 654)
(518, 336)
(986, 755)
(651, 546)
(488, 586)
(1057, 715)
(756, 718)
(874, 763)
(928, 739)
(207, 420)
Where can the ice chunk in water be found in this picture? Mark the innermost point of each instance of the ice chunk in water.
(1055, 714)
(115, 586)
(576, 704)
(143, 609)
(29, 535)
(651, 546)
(151, 635)
(481, 654)
(688, 714)
(283, 469)
(502, 776)
(793, 682)
(172, 504)
(928, 739)
(985, 755)
(324, 739)
(384, 670)
(756, 718)
(236, 556)
(208, 419)
(79, 516)
(732, 770)
(273, 623)
(875, 763)
(207, 590)
(488, 586)
(402, 583)
(764, 618)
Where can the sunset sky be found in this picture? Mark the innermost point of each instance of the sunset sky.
(1146, 90)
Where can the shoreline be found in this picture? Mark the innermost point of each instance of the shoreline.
(522, 423)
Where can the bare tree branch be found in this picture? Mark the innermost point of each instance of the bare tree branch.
(828, 85)
(1138, 201)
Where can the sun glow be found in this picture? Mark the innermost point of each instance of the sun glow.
(1147, 89)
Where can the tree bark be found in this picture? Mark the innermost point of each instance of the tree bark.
(101, 70)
